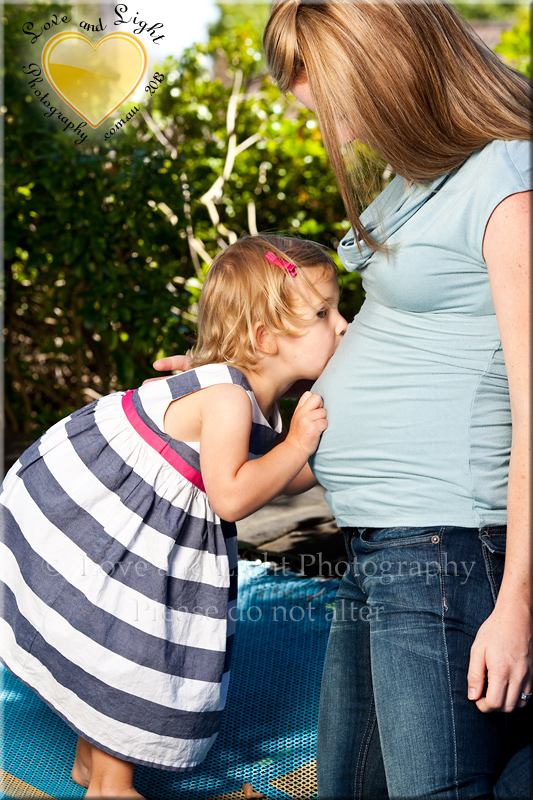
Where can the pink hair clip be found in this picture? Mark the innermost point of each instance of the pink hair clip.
(279, 262)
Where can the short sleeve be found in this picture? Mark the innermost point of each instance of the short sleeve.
(505, 171)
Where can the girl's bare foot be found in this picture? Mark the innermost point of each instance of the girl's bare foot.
(110, 776)
(249, 791)
(81, 769)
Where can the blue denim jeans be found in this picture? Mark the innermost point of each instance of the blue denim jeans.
(395, 720)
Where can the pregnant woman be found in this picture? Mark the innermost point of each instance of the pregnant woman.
(426, 457)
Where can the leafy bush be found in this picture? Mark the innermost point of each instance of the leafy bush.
(107, 245)
(515, 45)
(487, 10)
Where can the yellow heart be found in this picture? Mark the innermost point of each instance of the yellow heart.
(94, 79)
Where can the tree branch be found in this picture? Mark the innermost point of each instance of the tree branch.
(252, 221)
(158, 133)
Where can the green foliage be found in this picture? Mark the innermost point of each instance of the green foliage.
(107, 242)
(102, 264)
(487, 10)
(236, 15)
(515, 46)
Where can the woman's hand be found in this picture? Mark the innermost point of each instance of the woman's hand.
(180, 363)
(308, 423)
(169, 363)
(501, 655)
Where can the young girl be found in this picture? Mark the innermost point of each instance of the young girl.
(119, 572)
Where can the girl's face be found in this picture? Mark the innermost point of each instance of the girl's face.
(302, 92)
(307, 354)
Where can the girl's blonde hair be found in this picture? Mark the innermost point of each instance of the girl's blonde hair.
(412, 81)
(242, 287)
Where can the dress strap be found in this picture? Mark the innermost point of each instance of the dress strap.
(159, 444)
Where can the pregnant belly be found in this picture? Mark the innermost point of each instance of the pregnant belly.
(408, 399)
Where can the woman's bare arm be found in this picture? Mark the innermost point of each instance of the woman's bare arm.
(503, 647)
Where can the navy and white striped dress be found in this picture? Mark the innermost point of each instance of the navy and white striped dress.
(119, 579)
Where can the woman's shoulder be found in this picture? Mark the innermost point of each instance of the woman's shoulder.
(514, 156)
(500, 169)
(502, 163)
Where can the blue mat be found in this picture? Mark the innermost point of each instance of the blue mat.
(269, 730)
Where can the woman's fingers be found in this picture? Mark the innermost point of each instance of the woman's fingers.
(168, 364)
(171, 363)
(514, 693)
(488, 691)
(497, 673)
(149, 380)
(525, 689)
(485, 688)
(476, 673)
(495, 698)
(502, 695)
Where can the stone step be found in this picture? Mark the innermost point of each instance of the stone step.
(282, 515)
(298, 533)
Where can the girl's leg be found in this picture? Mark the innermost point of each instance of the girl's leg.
(81, 769)
(110, 776)
(349, 761)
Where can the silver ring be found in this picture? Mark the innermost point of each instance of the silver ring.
(525, 696)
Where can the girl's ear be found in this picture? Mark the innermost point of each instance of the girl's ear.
(263, 340)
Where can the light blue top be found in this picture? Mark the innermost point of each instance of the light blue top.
(419, 421)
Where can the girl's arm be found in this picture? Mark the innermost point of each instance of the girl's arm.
(304, 480)
(503, 647)
(236, 487)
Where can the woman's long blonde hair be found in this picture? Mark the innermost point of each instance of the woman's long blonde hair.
(242, 287)
(412, 81)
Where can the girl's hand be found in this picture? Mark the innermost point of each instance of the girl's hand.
(180, 363)
(501, 656)
(308, 423)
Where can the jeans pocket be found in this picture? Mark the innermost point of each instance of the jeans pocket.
(493, 541)
(353, 568)
(374, 538)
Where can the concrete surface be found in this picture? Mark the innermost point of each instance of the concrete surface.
(282, 515)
